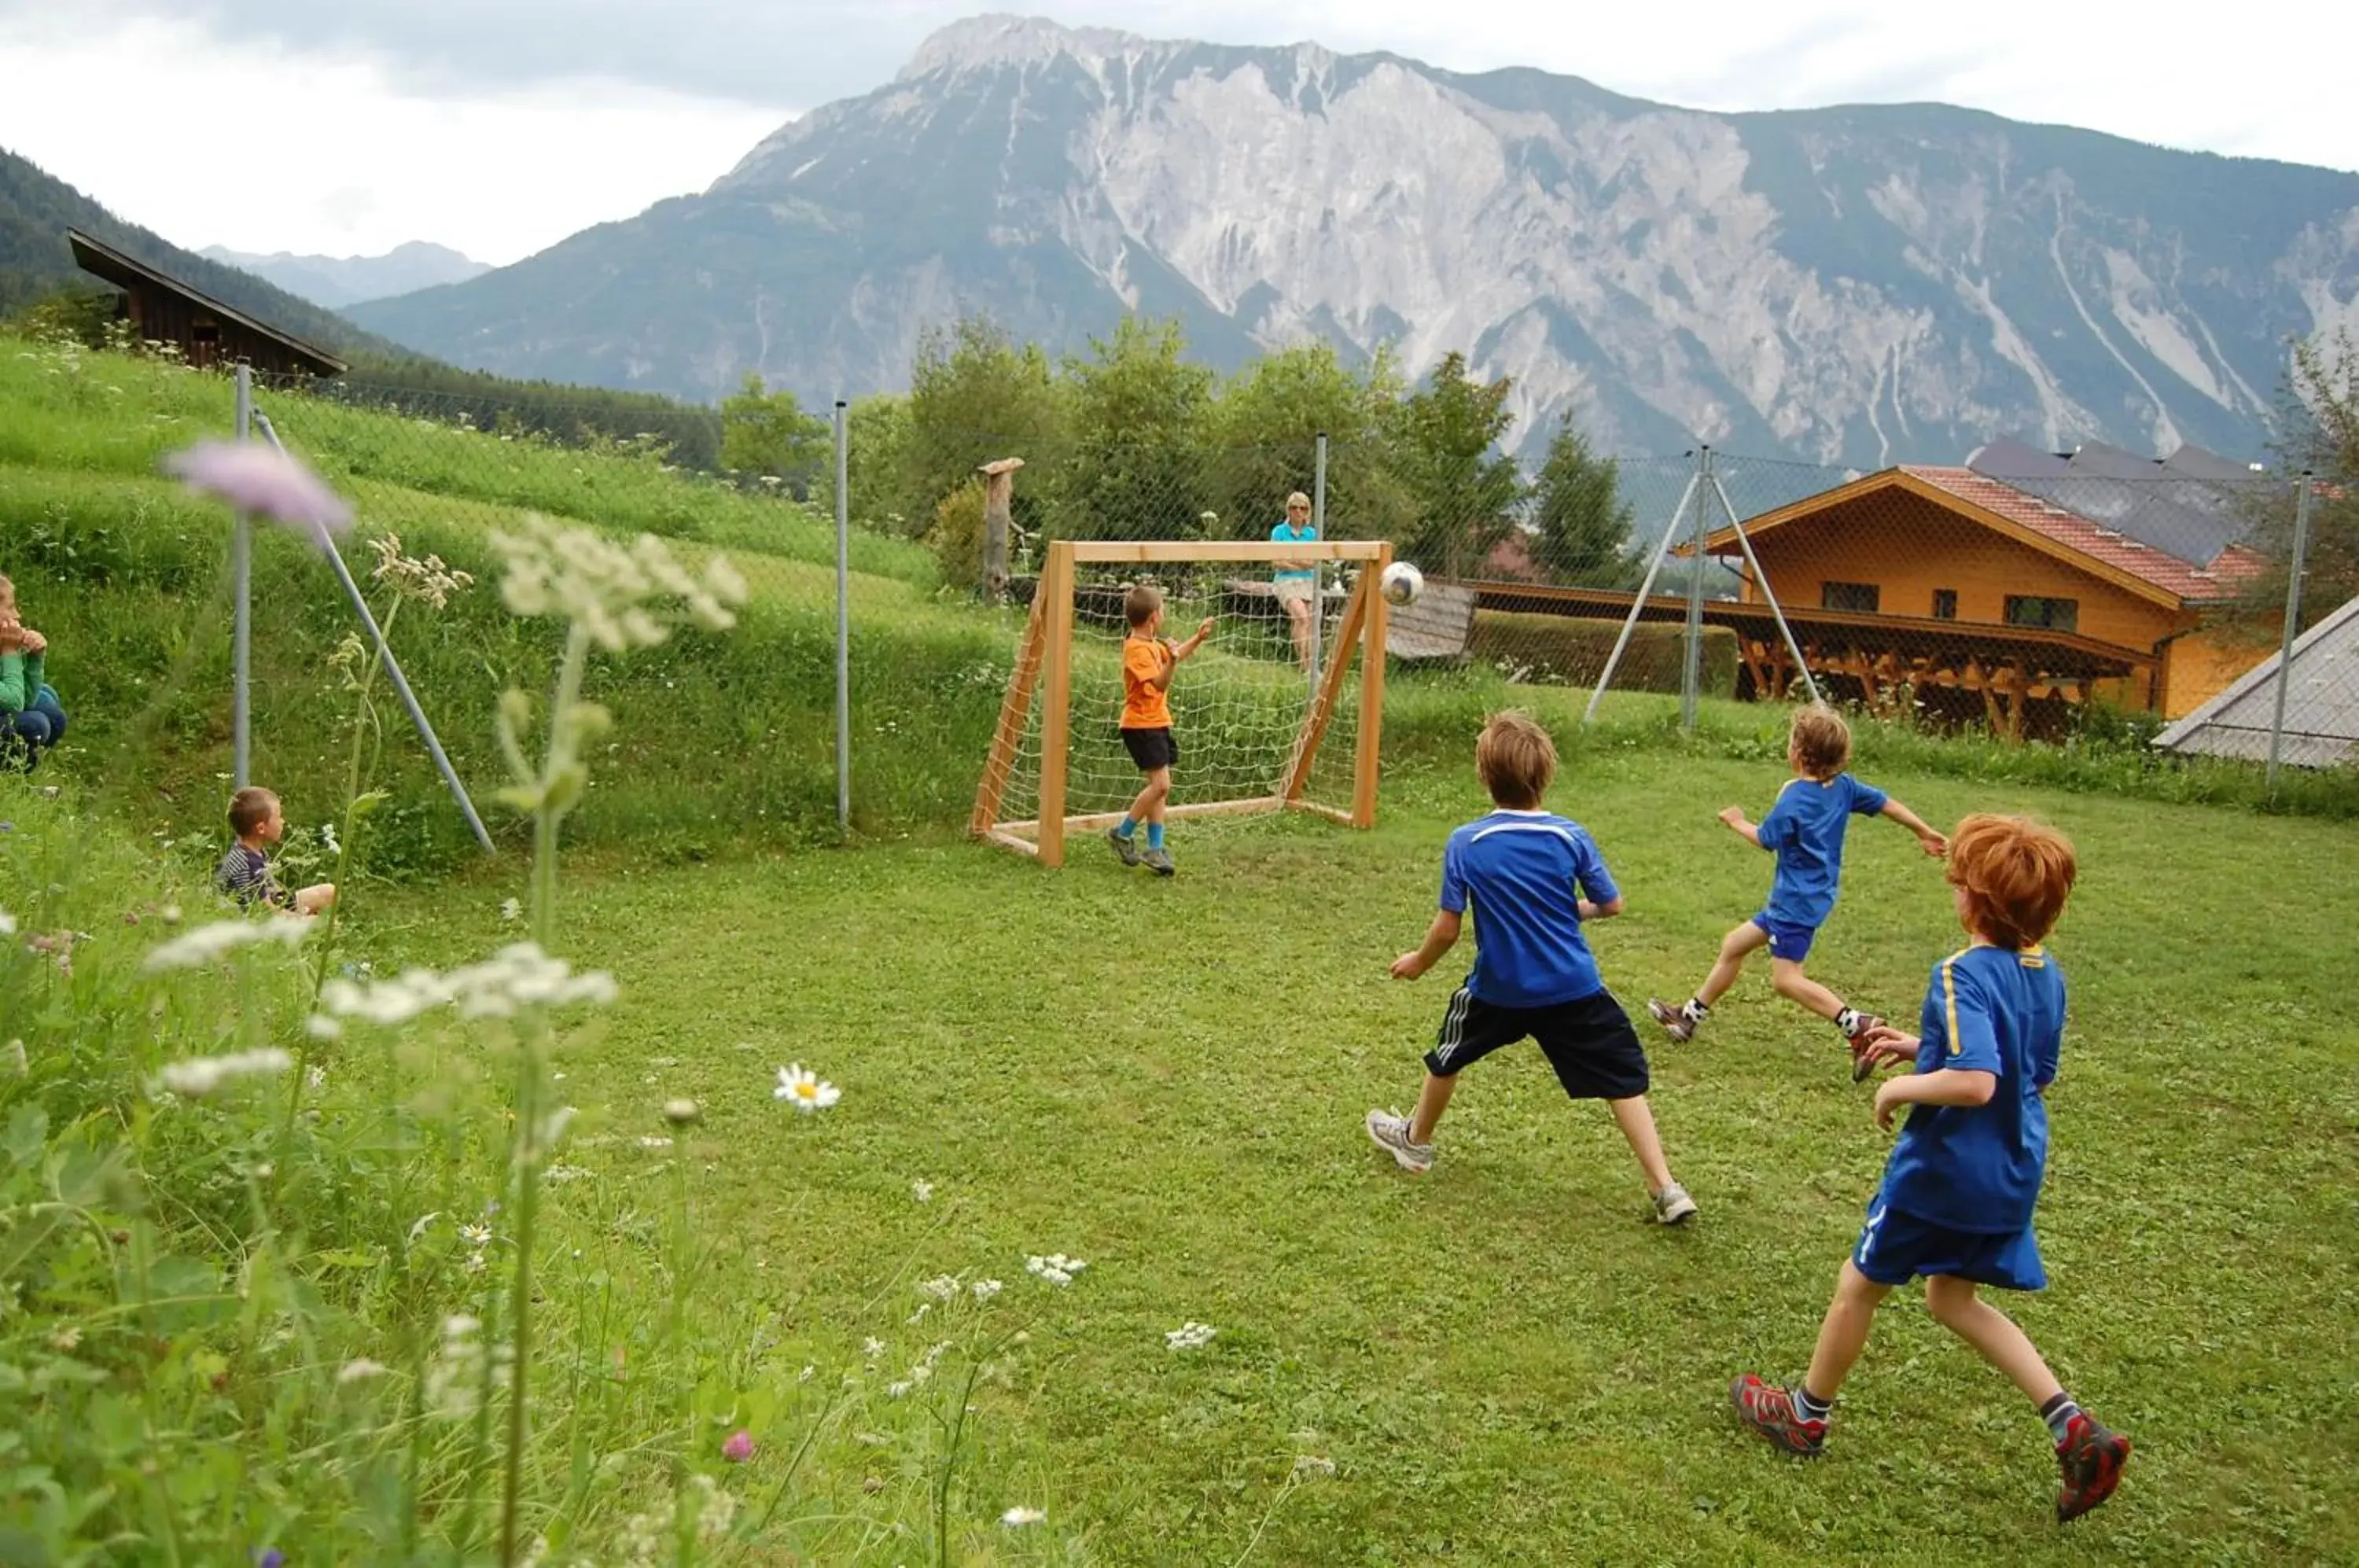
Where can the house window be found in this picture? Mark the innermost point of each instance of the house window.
(2055, 615)
(1860, 596)
(1945, 604)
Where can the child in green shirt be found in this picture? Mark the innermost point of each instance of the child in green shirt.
(31, 720)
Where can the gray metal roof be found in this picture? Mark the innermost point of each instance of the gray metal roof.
(2321, 722)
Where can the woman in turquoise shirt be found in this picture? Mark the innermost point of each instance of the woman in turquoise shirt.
(1298, 586)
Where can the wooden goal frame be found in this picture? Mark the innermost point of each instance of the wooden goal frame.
(1045, 665)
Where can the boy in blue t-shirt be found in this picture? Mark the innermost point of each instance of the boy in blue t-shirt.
(1532, 879)
(1297, 587)
(1805, 830)
(1956, 1202)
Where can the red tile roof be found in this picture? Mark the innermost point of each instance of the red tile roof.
(2220, 579)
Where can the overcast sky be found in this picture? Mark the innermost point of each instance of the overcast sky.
(501, 126)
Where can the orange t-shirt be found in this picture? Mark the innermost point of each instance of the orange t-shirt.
(1143, 704)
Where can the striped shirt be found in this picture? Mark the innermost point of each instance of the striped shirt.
(245, 874)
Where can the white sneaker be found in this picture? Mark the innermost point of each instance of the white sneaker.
(1673, 1206)
(1390, 1133)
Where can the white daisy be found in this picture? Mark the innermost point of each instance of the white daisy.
(807, 1091)
(1189, 1336)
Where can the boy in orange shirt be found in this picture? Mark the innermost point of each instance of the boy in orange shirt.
(1148, 663)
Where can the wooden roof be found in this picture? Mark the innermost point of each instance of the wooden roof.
(2103, 552)
(102, 260)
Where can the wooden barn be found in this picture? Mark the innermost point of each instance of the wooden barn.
(161, 309)
(1950, 580)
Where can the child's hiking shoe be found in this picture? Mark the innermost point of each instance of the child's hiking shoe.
(1157, 860)
(1126, 846)
(1861, 1063)
(1675, 1020)
(1770, 1411)
(1673, 1206)
(1390, 1133)
(2092, 1458)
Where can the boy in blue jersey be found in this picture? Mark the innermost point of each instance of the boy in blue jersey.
(1805, 830)
(1956, 1202)
(1532, 879)
(1297, 587)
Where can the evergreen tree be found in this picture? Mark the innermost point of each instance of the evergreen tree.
(1582, 526)
(1465, 489)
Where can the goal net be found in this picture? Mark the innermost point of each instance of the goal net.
(1256, 730)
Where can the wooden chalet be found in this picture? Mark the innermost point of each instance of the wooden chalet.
(161, 309)
(1950, 580)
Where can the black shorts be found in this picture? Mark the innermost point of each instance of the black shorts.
(1590, 1042)
(1151, 749)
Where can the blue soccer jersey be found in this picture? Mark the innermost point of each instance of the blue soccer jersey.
(1978, 1168)
(1525, 873)
(1805, 830)
(1286, 533)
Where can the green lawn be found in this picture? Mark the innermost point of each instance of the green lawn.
(1502, 1359)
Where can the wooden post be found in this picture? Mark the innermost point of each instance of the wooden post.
(1372, 691)
(998, 501)
(1056, 692)
(1013, 709)
(1331, 691)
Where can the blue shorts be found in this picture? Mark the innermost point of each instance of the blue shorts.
(1896, 1246)
(1792, 943)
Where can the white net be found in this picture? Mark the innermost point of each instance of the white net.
(1239, 706)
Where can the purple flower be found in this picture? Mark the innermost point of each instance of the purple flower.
(260, 479)
(739, 1447)
(270, 1557)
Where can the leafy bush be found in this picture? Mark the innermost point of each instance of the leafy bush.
(1572, 651)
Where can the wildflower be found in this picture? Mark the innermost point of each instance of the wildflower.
(807, 1091)
(476, 1263)
(262, 480)
(718, 1509)
(1313, 1464)
(327, 839)
(322, 1028)
(475, 1235)
(428, 581)
(984, 1289)
(12, 1062)
(360, 1370)
(201, 1075)
(896, 1389)
(316, 1077)
(209, 944)
(655, 1143)
(169, 914)
(7, 923)
(604, 588)
(1056, 1269)
(564, 1173)
(510, 909)
(739, 1447)
(922, 1191)
(682, 1112)
(1014, 1518)
(1189, 1336)
(519, 975)
(270, 1557)
(940, 1288)
(872, 1347)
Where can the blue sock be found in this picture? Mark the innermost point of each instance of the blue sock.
(1155, 835)
(1129, 826)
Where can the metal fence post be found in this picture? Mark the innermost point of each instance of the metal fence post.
(1691, 673)
(2292, 624)
(843, 623)
(240, 566)
(1318, 583)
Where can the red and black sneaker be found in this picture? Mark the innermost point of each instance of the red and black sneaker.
(1861, 1063)
(2092, 1458)
(1770, 1409)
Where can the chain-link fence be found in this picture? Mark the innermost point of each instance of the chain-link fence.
(2030, 597)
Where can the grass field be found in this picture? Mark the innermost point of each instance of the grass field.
(1502, 1360)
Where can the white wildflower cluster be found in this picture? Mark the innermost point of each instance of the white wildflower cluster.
(940, 1288)
(511, 910)
(360, 1370)
(1056, 1269)
(518, 976)
(1015, 1518)
(7, 923)
(984, 1289)
(429, 581)
(564, 1173)
(454, 1378)
(872, 1348)
(478, 1239)
(209, 944)
(645, 1541)
(918, 1374)
(327, 839)
(1313, 1464)
(922, 1191)
(1190, 1335)
(606, 589)
(201, 1075)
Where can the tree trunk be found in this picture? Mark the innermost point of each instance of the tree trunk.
(998, 500)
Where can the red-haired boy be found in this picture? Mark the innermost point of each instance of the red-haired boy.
(1956, 1202)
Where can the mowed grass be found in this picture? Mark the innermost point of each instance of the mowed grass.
(1502, 1360)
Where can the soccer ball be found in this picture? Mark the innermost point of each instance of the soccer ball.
(1401, 582)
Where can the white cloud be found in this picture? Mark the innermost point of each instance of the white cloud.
(258, 148)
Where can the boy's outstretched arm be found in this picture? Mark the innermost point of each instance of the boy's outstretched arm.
(1439, 938)
(1203, 630)
(1936, 844)
(1592, 911)
(1734, 818)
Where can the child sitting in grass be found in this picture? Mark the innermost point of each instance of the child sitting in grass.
(1805, 830)
(1148, 661)
(1532, 879)
(245, 872)
(1956, 1202)
(31, 719)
